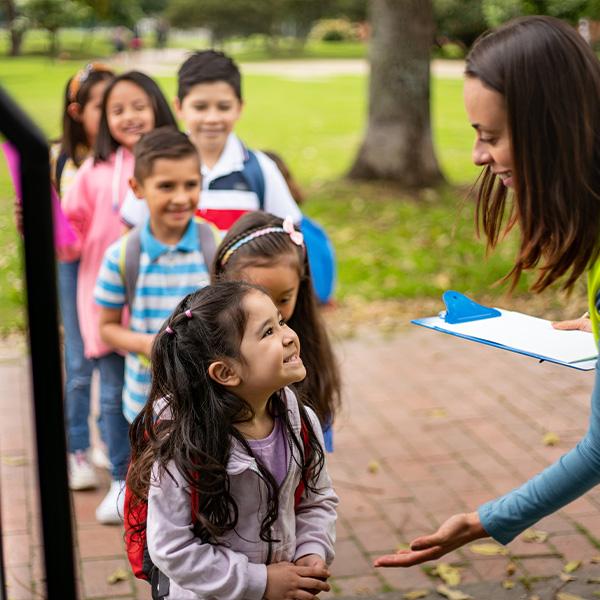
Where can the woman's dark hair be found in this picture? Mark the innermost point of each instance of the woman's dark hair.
(196, 416)
(106, 144)
(550, 81)
(321, 389)
(208, 66)
(78, 89)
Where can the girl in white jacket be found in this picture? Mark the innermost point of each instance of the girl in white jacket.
(240, 505)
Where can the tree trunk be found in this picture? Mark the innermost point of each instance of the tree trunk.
(398, 143)
(16, 34)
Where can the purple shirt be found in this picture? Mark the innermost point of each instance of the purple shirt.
(273, 452)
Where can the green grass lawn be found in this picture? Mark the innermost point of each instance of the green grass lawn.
(389, 245)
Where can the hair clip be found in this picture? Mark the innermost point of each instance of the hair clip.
(188, 313)
(295, 235)
(169, 330)
(81, 77)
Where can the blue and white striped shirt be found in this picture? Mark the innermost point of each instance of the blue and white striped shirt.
(166, 275)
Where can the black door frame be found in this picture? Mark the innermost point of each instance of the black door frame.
(46, 370)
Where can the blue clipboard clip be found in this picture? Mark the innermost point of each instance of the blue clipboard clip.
(460, 309)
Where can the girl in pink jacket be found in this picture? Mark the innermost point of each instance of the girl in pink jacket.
(131, 106)
(230, 462)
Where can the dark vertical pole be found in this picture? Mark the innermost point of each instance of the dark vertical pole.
(42, 310)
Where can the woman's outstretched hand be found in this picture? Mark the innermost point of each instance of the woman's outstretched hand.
(457, 531)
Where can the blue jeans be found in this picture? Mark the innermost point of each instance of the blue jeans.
(116, 427)
(78, 368)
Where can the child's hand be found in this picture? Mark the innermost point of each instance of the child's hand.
(286, 581)
(311, 560)
(457, 531)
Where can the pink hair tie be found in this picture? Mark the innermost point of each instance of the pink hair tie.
(188, 313)
(295, 235)
(169, 330)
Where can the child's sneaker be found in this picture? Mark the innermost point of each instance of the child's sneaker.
(110, 511)
(100, 459)
(81, 473)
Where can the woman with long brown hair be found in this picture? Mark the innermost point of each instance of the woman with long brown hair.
(532, 94)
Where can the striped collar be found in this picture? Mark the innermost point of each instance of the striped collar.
(154, 248)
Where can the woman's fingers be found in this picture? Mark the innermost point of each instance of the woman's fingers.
(409, 558)
(581, 324)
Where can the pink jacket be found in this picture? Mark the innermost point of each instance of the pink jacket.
(92, 205)
(236, 570)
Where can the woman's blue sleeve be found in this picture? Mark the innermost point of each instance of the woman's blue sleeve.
(568, 478)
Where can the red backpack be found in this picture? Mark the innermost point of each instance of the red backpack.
(136, 513)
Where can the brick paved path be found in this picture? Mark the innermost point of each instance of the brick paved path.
(431, 425)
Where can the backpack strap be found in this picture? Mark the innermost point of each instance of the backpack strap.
(307, 449)
(207, 237)
(129, 262)
(61, 161)
(254, 176)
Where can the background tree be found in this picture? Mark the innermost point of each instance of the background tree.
(398, 143)
(51, 15)
(16, 24)
(459, 20)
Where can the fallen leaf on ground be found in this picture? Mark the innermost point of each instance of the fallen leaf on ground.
(567, 596)
(438, 413)
(118, 575)
(593, 580)
(550, 439)
(15, 461)
(415, 594)
(488, 549)
(511, 568)
(452, 594)
(373, 467)
(508, 584)
(448, 573)
(535, 597)
(535, 536)
(566, 578)
(595, 560)
(571, 566)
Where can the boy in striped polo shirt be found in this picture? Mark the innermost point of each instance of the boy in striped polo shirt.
(168, 254)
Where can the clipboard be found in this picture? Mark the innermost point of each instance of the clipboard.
(513, 331)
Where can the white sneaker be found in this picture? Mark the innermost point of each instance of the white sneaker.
(81, 473)
(100, 459)
(111, 509)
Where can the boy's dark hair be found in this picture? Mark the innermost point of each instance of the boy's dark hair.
(207, 325)
(208, 66)
(105, 143)
(78, 89)
(321, 388)
(549, 79)
(164, 142)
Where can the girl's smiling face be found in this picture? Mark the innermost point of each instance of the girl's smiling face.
(270, 350)
(129, 113)
(487, 114)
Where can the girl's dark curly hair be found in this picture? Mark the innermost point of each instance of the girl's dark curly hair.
(190, 419)
(321, 389)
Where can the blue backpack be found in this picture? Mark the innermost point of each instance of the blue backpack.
(321, 256)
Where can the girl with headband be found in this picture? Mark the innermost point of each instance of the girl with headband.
(270, 252)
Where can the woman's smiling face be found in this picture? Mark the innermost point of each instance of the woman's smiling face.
(487, 114)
